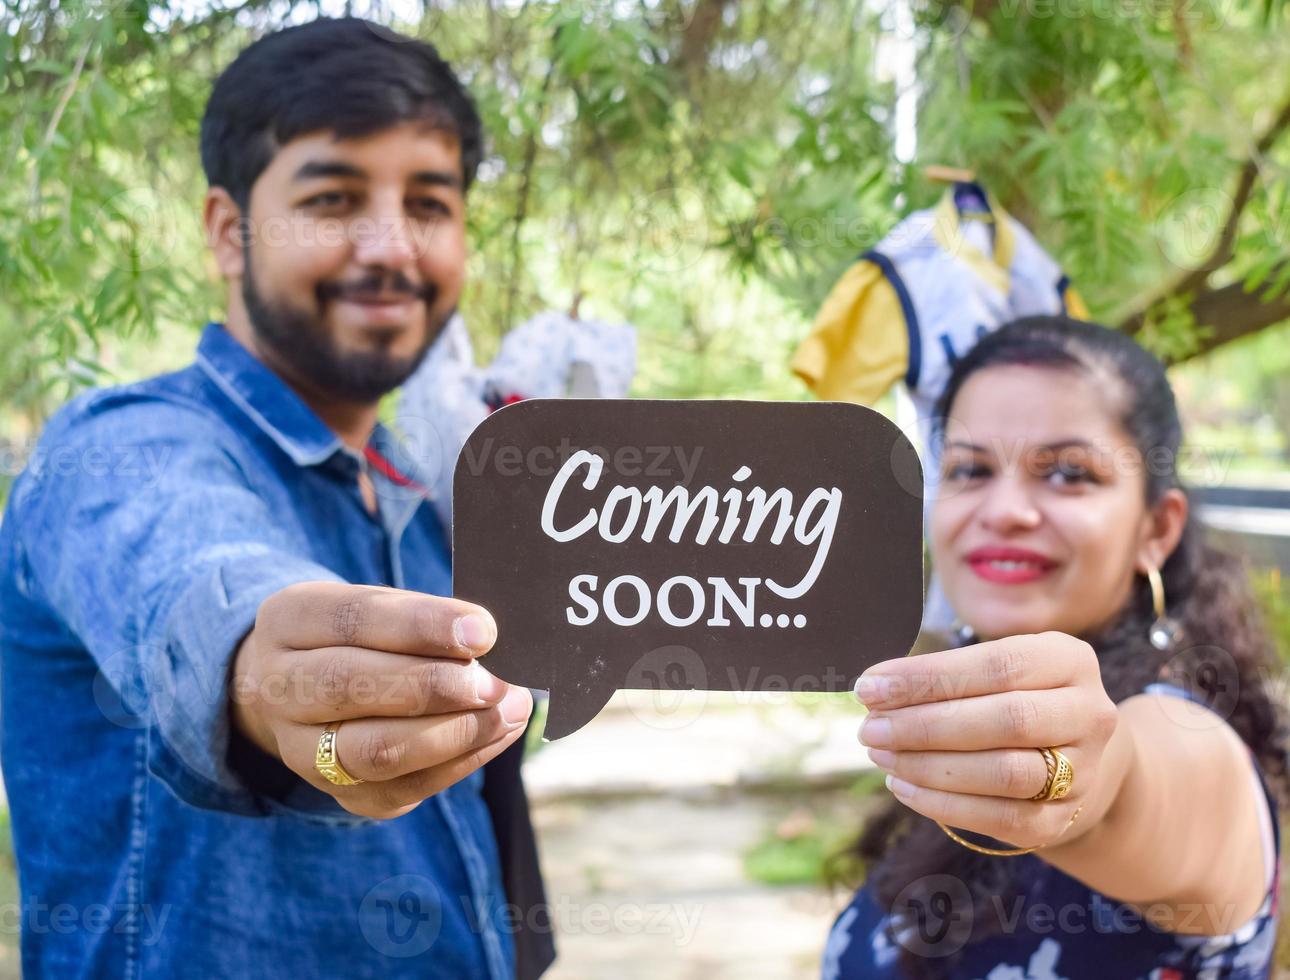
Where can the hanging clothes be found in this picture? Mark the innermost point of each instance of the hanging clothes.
(911, 306)
(554, 355)
(908, 308)
(438, 408)
(551, 355)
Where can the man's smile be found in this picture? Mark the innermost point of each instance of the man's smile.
(382, 310)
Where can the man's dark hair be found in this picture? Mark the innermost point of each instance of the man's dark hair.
(345, 75)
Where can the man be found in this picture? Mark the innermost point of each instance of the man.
(245, 730)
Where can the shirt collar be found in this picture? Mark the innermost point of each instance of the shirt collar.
(265, 398)
(993, 269)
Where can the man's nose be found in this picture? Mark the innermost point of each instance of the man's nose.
(384, 238)
(1008, 505)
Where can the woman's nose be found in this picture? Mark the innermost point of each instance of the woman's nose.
(1008, 506)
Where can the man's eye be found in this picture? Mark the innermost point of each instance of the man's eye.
(327, 199)
(432, 205)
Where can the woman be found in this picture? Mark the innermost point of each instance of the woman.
(1105, 633)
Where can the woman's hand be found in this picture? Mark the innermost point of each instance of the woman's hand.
(958, 731)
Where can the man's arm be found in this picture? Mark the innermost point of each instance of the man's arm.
(161, 574)
(398, 668)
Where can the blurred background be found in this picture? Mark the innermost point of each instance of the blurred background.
(705, 170)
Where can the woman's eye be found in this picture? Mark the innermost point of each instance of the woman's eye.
(1068, 475)
(966, 471)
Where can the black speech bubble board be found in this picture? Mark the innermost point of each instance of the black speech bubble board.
(713, 545)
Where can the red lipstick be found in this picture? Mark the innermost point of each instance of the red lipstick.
(1009, 566)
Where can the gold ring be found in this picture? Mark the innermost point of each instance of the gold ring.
(326, 761)
(1061, 774)
(1058, 783)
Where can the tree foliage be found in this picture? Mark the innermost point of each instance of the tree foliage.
(702, 168)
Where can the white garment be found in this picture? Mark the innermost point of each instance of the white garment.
(438, 408)
(956, 293)
(555, 356)
(550, 356)
(958, 282)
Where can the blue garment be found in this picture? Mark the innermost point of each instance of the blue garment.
(151, 522)
(1064, 930)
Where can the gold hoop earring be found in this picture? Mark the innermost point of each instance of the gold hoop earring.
(1164, 631)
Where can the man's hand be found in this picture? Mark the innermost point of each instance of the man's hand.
(398, 668)
(958, 732)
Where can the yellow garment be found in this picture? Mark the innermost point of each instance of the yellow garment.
(1074, 302)
(858, 346)
(994, 268)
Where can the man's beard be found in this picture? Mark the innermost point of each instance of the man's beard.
(303, 342)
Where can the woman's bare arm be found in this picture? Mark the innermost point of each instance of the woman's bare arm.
(1175, 825)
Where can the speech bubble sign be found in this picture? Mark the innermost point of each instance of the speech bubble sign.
(714, 545)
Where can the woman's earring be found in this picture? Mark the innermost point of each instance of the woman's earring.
(1164, 632)
(963, 634)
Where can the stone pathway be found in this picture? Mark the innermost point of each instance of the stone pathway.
(683, 743)
(645, 815)
(644, 818)
(654, 889)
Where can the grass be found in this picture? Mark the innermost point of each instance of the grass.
(806, 846)
(533, 743)
(8, 884)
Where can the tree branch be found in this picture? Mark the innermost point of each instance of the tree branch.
(1229, 312)
(1249, 174)
(526, 184)
(51, 130)
(698, 35)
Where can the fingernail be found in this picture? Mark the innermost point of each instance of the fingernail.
(873, 688)
(882, 758)
(475, 632)
(488, 687)
(875, 732)
(899, 786)
(516, 706)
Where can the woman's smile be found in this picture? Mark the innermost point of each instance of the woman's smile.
(1009, 566)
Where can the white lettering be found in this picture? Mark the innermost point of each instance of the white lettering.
(611, 600)
(578, 595)
(665, 600)
(594, 465)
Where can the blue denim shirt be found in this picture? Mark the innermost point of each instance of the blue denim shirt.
(151, 522)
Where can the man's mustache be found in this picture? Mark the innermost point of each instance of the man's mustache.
(378, 285)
